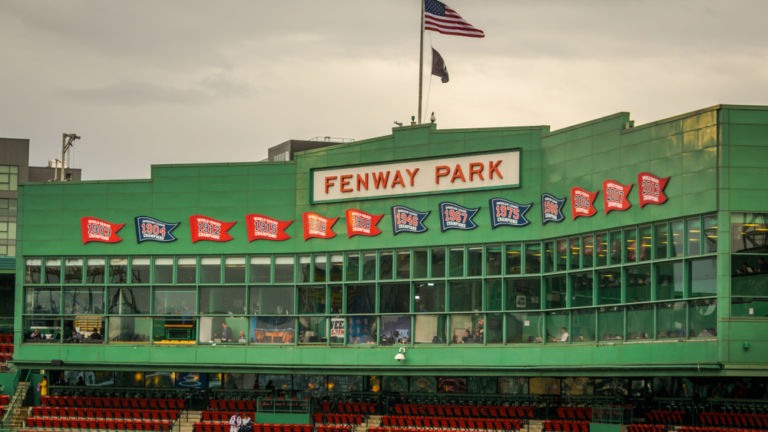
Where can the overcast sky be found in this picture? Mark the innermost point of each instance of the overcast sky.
(176, 81)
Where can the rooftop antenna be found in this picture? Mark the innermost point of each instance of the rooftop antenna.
(66, 144)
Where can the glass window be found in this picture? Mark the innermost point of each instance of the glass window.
(588, 251)
(493, 295)
(638, 283)
(752, 307)
(320, 269)
(467, 328)
(395, 329)
(575, 253)
(403, 265)
(83, 300)
(494, 324)
(677, 239)
(361, 298)
(176, 330)
(645, 243)
(311, 299)
(703, 318)
(602, 248)
(669, 280)
(583, 329)
(128, 300)
(429, 297)
(385, 265)
(420, 263)
(174, 300)
(73, 271)
(84, 329)
(549, 256)
(234, 270)
(662, 240)
(523, 293)
(361, 330)
(493, 260)
(466, 295)
(555, 291)
(561, 255)
(118, 270)
(609, 286)
(305, 268)
(337, 267)
(615, 248)
(42, 300)
(703, 276)
(557, 326)
(95, 271)
(337, 298)
(438, 262)
(610, 323)
(186, 270)
(532, 258)
(223, 330)
(710, 234)
(456, 263)
(670, 318)
(475, 261)
(429, 329)
(630, 245)
(525, 327)
(369, 266)
(277, 330)
(129, 329)
(748, 232)
(693, 225)
(271, 300)
(395, 297)
(581, 289)
(639, 322)
(514, 260)
(750, 275)
(32, 270)
(284, 269)
(353, 267)
(163, 270)
(39, 329)
(222, 300)
(140, 270)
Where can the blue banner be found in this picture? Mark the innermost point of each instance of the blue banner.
(508, 213)
(454, 216)
(408, 220)
(551, 208)
(151, 229)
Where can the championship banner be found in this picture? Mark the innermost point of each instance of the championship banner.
(95, 229)
(265, 228)
(151, 229)
(318, 226)
(408, 220)
(508, 213)
(551, 208)
(615, 196)
(651, 189)
(454, 216)
(205, 228)
(582, 202)
(362, 223)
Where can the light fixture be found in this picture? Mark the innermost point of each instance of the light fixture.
(400, 356)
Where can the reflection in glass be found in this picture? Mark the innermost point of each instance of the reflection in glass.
(438, 262)
(429, 297)
(234, 270)
(703, 277)
(525, 327)
(353, 267)
(523, 293)
(361, 298)
(466, 295)
(670, 319)
(583, 329)
(669, 280)
(284, 269)
(128, 300)
(395, 297)
(95, 271)
(395, 329)
(514, 260)
(140, 270)
(129, 329)
(84, 300)
(163, 270)
(429, 329)
(268, 300)
(610, 323)
(186, 269)
(73, 271)
(222, 300)
(42, 300)
(118, 270)
(273, 329)
(475, 261)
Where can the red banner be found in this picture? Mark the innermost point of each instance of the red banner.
(362, 223)
(318, 226)
(615, 196)
(582, 202)
(95, 229)
(205, 228)
(651, 189)
(265, 228)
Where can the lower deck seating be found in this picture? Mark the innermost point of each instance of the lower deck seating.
(646, 428)
(451, 422)
(104, 413)
(105, 424)
(333, 428)
(666, 416)
(257, 427)
(574, 413)
(715, 429)
(492, 411)
(566, 425)
(113, 402)
(740, 420)
(346, 419)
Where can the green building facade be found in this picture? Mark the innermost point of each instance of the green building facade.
(676, 288)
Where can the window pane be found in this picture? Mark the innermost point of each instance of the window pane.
(494, 300)
(615, 249)
(361, 330)
(466, 295)
(525, 327)
(429, 329)
(140, 270)
(275, 330)
(337, 298)
(42, 329)
(456, 262)
(284, 269)
(32, 271)
(311, 299)
(395, 298)
(581, 284)
(575, 253)
(669, 280)
(429, 297)
(395, 329)
(475, 261)
(313, 330)
(694, 236)
(438, 262)
(588, 251)
(369, 266)
(557, 326)
(493, 328)
(638, 283)
(645, 244)
(609, 286)
(420, 257)
(42, 300)
(639, 322)
(703, 318)
(210, 270)
(749, 307)
(513, 259)
(661, 240)
(73, 271)
(163, 270)
(630, 245)
(174, 300)
(118, 270)
(750, 275)
(385, 265)
(222, 300)
(268, 300)
(226, 330)
(610, 323)
(670, 318)
(186, 269)
(710, 234)
(677, 239)
(561, 255)
(361, 298)
(84, 300)
(305, 268)
(129, 329)
(466, 328)
(403, 267)
(337, 267)
(555, 292)
(128, 300)
(234, 270)
(703, 277)
(95, 273)
(549, 256)
(523, 293)
(583, 325)
(320, 269)
(602, 249)
(532, 258)
(493, 260)
(748, 232)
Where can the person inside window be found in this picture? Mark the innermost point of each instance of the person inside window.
(226, 333)
(563, 335)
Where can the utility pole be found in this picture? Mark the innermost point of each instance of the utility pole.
(66, 143)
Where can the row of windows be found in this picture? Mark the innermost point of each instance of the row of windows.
(9, 178)
(665, 320)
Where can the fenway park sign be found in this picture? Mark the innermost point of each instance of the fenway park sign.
(467, 172)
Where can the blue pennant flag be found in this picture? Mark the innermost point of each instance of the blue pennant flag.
(408, 220)
(148, 228)
(551, 208)
(508, 213)
(454, 216)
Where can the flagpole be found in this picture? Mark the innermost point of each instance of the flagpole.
(421, 55)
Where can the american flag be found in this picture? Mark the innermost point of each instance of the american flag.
(440, 18)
